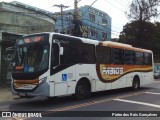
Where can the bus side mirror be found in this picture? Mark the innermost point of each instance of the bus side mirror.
(61, 50)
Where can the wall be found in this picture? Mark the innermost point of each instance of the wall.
(19, 19)
(23, 21)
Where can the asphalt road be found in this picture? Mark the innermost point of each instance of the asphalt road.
(121, 103)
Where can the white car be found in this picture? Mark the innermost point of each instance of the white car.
(156, 74)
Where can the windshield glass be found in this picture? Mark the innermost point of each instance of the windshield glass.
(32, 54)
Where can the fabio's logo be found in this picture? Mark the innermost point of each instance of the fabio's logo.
(112, 70)
(109, 73)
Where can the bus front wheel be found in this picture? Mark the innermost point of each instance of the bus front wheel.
(82, 90)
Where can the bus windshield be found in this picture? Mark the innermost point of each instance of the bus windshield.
(32, 56)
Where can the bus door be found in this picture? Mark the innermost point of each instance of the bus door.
(55, 82)
(62, 72)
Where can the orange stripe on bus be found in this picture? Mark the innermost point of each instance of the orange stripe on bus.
(26, 81)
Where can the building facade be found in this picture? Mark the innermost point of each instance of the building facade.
(17, 19)
(95, 24)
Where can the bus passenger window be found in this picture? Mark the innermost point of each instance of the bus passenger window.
(117, 56)
(129, 57)
(103, 54)
(139, 58)
(88, 53)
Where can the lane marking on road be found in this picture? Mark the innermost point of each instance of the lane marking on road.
(71, 107)
(89, 103)
(152, 93)
(140, 103)
(94, 102)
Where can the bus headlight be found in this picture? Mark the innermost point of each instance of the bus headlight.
(41, 81)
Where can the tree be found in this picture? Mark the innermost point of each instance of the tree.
(76, 31)
(142, 10)
(130, 34)
(150, 36)
(156, 43)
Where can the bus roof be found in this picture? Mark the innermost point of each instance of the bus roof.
(103, 43)
(123, 46)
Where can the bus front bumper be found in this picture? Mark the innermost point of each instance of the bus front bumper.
(40, 90)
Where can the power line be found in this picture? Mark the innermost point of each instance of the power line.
(114, 6)
(83, 1)
(128, 1)
(99, 25)
(121, 3)
(124, 3)
(115, 34)
(68, 2)
(101, 29)
(71, 3)
(90, 6)
(116, 27)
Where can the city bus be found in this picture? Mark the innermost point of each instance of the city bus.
(53, 64)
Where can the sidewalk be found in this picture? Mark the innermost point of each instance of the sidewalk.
(6, 94)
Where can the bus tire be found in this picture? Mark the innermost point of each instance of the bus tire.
(136, 83)
(82, 90)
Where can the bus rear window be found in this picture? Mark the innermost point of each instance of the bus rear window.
(148, 58)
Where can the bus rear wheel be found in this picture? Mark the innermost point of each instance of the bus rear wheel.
(136, 83)
(82, 90)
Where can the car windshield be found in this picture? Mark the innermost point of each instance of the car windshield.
(31, 57)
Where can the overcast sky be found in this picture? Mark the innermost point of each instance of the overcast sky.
(114, 8)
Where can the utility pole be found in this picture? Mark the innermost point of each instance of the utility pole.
(76, 31)
(62, 6)
(75, 9)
